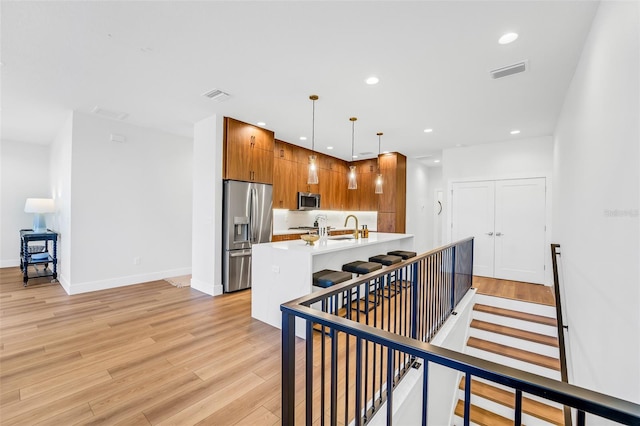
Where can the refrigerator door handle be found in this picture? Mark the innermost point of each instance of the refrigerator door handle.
(254, 214)
(241, 254)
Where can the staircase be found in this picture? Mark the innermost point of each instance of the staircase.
(517, 334)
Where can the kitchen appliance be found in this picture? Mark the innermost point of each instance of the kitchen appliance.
(308, 201)
(246, 220)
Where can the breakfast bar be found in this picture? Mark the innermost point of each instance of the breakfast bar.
(283, 271)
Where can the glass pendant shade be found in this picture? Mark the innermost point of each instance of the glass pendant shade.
(379, 184)
(312, 178)
(353, 183)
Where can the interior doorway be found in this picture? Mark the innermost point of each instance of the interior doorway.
(508, 220)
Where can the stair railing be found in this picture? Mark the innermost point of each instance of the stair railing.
(555, 253)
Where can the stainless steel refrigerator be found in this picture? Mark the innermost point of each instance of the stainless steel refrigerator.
(246, 220)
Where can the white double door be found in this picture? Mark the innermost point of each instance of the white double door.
(508, 220)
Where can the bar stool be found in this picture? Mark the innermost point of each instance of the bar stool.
(403, 254)
(387, 260)
(325, 279)
(360, 267)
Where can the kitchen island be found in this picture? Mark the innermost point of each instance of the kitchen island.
(283, 271)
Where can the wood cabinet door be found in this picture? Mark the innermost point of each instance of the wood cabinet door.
(282, 150)
(237, 151)
(339, 188)
(284, 179)
(302, 177)
(261, 138)
(386, 222)
(387, 200)
(261, 165)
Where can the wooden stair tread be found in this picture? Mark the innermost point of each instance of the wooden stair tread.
(520, 354)
(507, 398)
(515, 332)
(481, 416)
(515, 314)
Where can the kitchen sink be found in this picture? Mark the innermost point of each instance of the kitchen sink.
(342, 237)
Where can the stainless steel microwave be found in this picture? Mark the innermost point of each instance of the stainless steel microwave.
(308, 201)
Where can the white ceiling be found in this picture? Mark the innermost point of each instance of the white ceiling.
(154, 60)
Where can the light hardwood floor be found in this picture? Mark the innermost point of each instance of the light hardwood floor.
(144, 354)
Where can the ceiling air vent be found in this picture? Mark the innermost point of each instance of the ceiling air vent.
(509, 70)
(114, 115)
(217, 95)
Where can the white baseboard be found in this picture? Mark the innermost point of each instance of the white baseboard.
(207, 288)
(123, 281)
(9, 263)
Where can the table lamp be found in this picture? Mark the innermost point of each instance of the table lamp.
(39, 206)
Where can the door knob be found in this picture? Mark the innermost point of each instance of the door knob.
(489, 233)
(499, 234)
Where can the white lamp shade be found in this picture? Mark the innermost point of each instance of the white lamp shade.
(39, 205)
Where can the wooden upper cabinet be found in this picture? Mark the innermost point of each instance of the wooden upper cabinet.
(392, 201)
(248, 152)
(284, 184)
(283, 150)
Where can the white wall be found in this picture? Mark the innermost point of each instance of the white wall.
(60, 181)
(515, 159)
(434, 184)
(499, 160)
(24, 173)
(128, 200)
(418, 208)
(207, 206)
(596, 194)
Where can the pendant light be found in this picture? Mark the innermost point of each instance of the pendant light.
(379, 178)
(353, 183)
(312, 178)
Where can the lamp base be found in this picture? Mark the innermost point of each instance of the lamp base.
(39, 223)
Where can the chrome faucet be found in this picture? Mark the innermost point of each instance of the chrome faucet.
(355, 232)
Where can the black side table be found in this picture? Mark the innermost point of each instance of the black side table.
(41, 254)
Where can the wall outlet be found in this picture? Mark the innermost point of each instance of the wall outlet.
(136, 260)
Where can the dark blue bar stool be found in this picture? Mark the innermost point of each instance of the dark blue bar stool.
(325, 279)
(403, 254)
(360, 267)
(388, 260)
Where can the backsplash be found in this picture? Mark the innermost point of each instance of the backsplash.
(285, 219)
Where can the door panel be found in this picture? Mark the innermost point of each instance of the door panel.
(520, 230)
(473, 216)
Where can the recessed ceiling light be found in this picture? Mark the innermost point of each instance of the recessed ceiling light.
(428, 130)
(372, 80)
(329, 147)
(515, 132)
(303, 138)
(508, 38)
(261, 123)
(354, 156)
(385, 152)
(436, 161)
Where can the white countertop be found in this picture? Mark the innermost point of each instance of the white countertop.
(337, 243)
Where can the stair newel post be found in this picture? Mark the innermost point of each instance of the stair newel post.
(288, 368)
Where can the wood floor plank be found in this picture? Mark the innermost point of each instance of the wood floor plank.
(141, 354)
